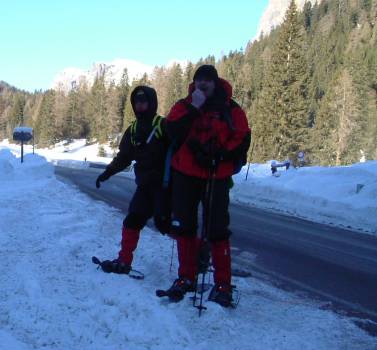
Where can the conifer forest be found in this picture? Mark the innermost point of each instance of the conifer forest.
(310, 85)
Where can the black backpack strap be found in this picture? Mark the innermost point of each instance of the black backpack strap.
(133, 132)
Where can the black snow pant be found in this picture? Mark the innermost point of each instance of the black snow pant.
(149, 201)
(188, 192)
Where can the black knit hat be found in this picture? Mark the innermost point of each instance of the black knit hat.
(207, 72)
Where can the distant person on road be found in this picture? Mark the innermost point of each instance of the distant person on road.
(145, 142)
(212, 137)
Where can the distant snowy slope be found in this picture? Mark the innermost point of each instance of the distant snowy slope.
(274, 14)
(113, 71)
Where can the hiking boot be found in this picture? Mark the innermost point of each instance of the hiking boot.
(221, 294)
(115, 266)
(179, 288)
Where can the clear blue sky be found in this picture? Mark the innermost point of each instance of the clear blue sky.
(40, 38)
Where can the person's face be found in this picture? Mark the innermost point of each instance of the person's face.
(205, 85)
(141, 106)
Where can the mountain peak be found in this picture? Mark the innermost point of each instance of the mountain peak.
(113, 71)
(274, 14)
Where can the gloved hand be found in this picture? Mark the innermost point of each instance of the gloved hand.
(163, 224)
(207, 161)
(101, 178)
(205, 156)
(198, 98)
(204, 160)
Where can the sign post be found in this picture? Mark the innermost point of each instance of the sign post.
(301, 158)
(23, 134)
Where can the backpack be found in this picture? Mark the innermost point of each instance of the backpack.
(156, 130)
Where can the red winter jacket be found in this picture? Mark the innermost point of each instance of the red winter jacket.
(224, 123)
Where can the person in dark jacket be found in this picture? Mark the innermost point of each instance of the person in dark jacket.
(145, 142)
(212, 137)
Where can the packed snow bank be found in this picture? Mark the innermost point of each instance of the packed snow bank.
(34, 167)
(74, 154)
(53, 297)
(344, 196)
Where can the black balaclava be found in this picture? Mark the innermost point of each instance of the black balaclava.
(144, 119)
(149, 94)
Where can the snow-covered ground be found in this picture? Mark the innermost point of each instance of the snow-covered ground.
(344, 196)
(52, 296)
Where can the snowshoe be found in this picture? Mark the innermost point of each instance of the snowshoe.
(222, 294)
(115, 266)
(178, 290)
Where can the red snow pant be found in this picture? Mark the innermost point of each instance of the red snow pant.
(188, 192)
(148, 201)
(130, 238)
(188, 249)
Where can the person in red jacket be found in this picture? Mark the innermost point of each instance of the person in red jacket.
(212, 136)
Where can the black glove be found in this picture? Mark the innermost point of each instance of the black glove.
(162, 219)
(205, 161)
(201, 153)
(208, 159)
(163, 224)
(101, 178)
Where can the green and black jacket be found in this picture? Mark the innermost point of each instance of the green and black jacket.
(145, 141)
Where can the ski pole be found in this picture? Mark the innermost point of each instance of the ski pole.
(172, 253)
(206, 226)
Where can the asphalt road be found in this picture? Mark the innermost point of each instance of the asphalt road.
(328, 263)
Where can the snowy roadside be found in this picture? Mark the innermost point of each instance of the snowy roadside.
(53, 297)
(342, 196)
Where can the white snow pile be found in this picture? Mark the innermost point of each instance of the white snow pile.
(34, 167)
(343, 196)
(53, 297)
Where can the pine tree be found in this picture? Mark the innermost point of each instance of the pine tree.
(231, 69)
(16, 114)
(308, 14)
(123, 93)
(188, 76)
(3, 119)
(60, 112)
(114, 120)
(338, 130)
(158, 82)
(72, 115)
(99, 124)
(144, 80)
(129, 115)
(174, 87)
(45, 127)
(282, 126)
